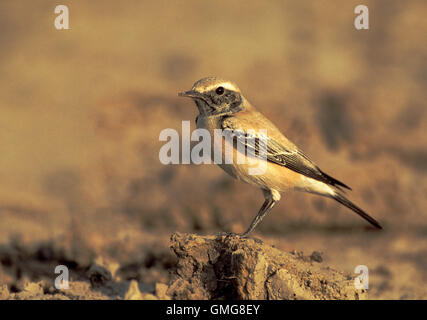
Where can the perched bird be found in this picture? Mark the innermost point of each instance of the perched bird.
(222, 106)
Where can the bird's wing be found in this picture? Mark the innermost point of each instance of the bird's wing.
(269, 148)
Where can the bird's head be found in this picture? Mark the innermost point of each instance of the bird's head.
(215, 96)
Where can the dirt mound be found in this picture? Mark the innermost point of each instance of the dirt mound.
(231, 267)
(224, 266)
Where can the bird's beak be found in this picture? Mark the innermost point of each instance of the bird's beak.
(190, 94)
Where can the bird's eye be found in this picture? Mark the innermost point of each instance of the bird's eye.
(219, 91)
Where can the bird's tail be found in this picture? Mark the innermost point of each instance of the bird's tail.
(344, 201)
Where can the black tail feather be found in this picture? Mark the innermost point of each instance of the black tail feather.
(344, 201)
(334, 182)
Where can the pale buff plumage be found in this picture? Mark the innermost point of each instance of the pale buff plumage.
(222, 106)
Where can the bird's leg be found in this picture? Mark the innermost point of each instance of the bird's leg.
(266, 207)
(271, 198)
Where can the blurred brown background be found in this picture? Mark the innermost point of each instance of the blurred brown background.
(81, 111)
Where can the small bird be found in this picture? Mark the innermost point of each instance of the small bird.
(222, 106)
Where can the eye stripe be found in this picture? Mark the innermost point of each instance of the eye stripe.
(225, 85)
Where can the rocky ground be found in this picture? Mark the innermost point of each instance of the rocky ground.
(225, 266)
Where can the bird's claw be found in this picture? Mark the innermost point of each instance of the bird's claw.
(243, 235)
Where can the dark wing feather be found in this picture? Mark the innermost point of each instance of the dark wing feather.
(292, 159)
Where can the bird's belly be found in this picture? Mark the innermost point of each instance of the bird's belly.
(273, 177)
(255, 171)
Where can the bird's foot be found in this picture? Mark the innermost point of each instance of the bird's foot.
(243, 235)
(227, 234)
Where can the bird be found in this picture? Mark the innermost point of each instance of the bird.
(222, 106)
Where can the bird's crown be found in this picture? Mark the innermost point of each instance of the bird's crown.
(211, 83)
